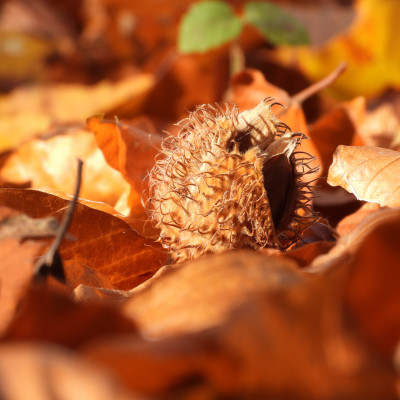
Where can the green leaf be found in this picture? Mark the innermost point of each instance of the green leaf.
(206, 25)
(276, 25)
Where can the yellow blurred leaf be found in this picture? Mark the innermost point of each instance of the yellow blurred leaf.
(370, 47)
(21, 54)
(31, 111)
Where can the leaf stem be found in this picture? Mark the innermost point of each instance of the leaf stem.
(237, 58)
(318, 86)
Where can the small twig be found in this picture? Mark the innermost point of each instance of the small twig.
(48, 258)
(237, 58)
(318, 86)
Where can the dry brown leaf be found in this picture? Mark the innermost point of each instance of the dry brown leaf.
(331, 130)
(193, 79)
(367, 260)
(50, 316)
(306, 254)
(202, 293)
(51, 163)
(39, 371)
(370, 173)
(347, 224)
(291, 340)
(104, 241)
(16, 269)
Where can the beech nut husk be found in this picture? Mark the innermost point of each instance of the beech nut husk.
(230, 180)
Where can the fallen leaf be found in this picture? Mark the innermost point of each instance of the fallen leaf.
(373, 290)
(331, 130)
(370, 173)
(104, 241)
(130, 149)
(16, 270)
(366, 261)
(261, 349)
(33, 110)
(50, 316)
(18, 256)
(51, 163)
(348, 224)
(170, 305)
(50, 372)
(306, 254)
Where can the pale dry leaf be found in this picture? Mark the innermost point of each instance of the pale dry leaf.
(370, 173)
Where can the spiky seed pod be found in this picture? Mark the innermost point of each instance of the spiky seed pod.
(230, 180)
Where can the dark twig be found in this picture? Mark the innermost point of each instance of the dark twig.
(48, 258)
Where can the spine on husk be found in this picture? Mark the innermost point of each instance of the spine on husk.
(230, 180)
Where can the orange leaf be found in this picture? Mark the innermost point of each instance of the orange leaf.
(347, 224)
(171, 304)
(48, 315)
(130, 149)
(328, 132)
(370, 173)
(104, 242)
(16, 270)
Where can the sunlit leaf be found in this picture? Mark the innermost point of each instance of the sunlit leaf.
(104, 241)
(275, 24)
(221, 282)
(51, 163)
(370, 173)
(206, 25)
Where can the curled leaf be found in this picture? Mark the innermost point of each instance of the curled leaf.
(370, 173)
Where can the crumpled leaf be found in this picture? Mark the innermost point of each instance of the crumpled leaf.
(130, 149)
(50, 372)
(370, 173)
(104, 242)
(51, 163)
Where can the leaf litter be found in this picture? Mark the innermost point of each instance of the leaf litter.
(318, 321)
